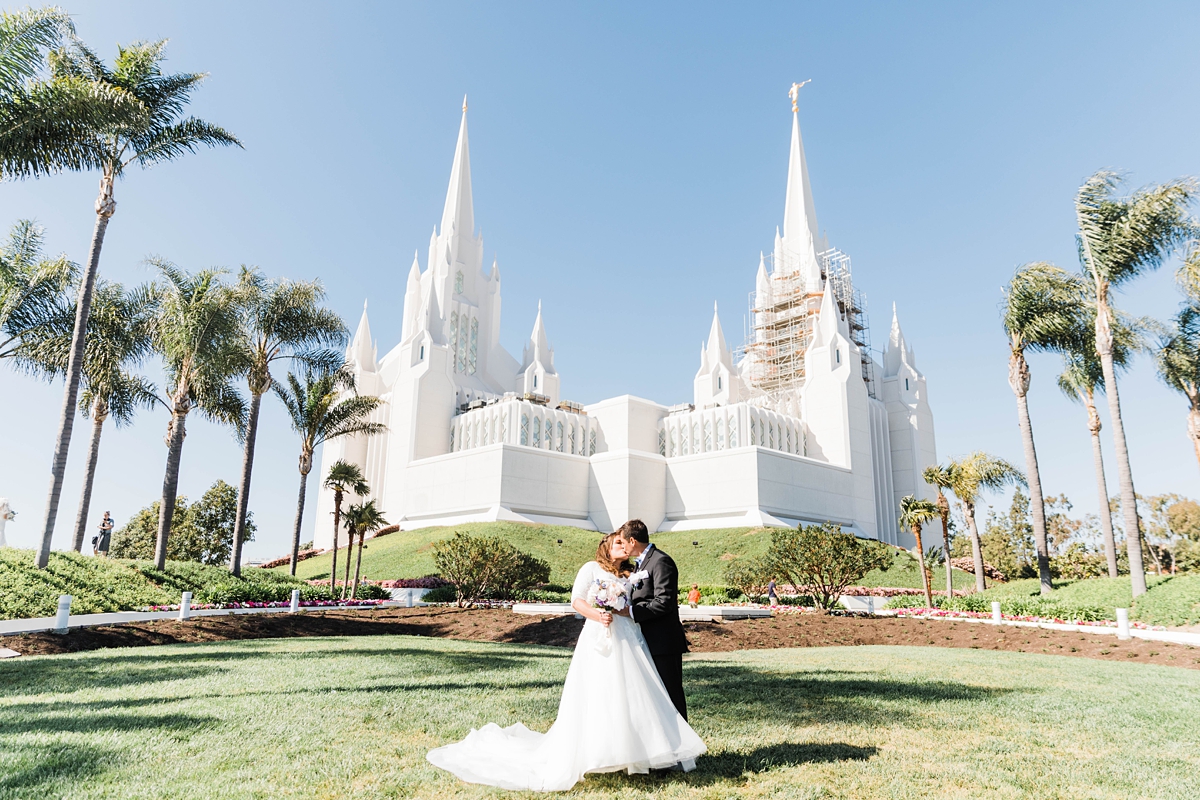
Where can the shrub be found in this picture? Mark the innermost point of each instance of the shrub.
(442, 594)
(1175, 601)
(747, 575)
(823, 560)
(487, 567)
(372, 591)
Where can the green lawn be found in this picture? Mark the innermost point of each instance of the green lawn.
(409, 554)
(353, 718)
(1169, 600)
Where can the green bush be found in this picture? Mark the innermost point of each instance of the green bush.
(482, 567)
(823, 559)
(442, 594)
(372, 591)
(538, 596)
(1172, 601)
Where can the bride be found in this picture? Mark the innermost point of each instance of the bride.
(614, 714)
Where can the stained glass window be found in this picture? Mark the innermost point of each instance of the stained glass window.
(592, 443)
(451, 438)
(454, 338)
(662, 441)
(559, 434)
(720, 434)
(537, 431)
(458, 281)
(524, 429)
(708, 440)
(732, 433)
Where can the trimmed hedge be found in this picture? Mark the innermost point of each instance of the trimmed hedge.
(1173, 601)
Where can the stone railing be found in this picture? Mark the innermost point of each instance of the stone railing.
(727, 427)
(519, 422)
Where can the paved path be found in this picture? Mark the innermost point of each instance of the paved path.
(1176, 637)
(9, 627)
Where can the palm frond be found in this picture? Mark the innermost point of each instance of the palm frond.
(26, 37)
(1045, 308)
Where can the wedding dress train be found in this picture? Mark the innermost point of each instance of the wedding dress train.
(614, 715)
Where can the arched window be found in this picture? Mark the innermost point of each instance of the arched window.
(674, 442)
(732, 433)
(458, 281)
(720, 434)
(525, 429)
(662, 441)
(592, 443)
(708, 440)
(558, 433)
(454, 338)
(537, 431)
(535, 380)
(753, 431)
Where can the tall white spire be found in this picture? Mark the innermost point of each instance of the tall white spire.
(798, 209)
(898, 352)
(718, 350)
(459, 212)
(539, 345)
(361, 352)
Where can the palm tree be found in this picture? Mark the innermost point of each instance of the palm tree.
(119, 336)
(159, 133)
(914, 514)
(1081, 378)
(1043, 306)
(48, 121)
(1120, 239)
(322, 407)
(343, 477)
(1179, 365)
(939, 478)
(281, 319)
(969, 477)
(196, 332)
(32, 293)
(361, 519)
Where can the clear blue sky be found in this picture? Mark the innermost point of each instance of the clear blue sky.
(629, 163)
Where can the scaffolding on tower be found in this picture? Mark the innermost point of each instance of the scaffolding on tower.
(781, 327)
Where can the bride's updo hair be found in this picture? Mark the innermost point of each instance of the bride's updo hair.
(605, 560)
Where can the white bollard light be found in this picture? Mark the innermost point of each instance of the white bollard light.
(185, 606)
(63, 620)
(996, 611)
(408, 598)
(295, 601)
(1123, 623)
(871, 605)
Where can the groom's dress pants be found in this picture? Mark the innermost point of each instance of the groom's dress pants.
(670, 669)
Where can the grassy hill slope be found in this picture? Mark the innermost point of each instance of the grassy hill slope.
(409, 554)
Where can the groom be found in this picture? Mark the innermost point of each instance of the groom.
(654, 604)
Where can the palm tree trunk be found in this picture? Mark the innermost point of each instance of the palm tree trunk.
(946, 558)
(976, 547)
(1133, 531)
(1110, 541)
(99, 415)
(1194, 424)
(357, 565)
(349, 551)
(337, 521)
(1018, 379)
(105, 206)
(299, 519)
(243, 501)
(166, 508)
(916, 529)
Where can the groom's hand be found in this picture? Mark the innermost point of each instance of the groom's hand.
(624, 612)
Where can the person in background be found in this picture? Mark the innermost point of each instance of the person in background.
(772, 597)
(694, 596)
(103, 541)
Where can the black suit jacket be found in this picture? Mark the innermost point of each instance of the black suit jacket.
(655, 605)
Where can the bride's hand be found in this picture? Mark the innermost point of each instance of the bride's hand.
(605, 619)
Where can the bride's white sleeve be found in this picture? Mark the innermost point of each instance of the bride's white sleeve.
(582, 581)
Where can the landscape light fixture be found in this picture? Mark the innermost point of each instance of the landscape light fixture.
(560, 542)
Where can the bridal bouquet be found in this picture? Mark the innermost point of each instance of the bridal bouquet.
(610, 594)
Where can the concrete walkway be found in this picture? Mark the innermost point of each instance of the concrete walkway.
(10, 627)
(1175, 637)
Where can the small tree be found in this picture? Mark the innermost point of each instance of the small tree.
(914, 514)
(747, 575)
(822, 560)
(361, 519)
(486, 566)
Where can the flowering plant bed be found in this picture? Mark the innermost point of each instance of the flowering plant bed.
(284, 604)
(935, 613)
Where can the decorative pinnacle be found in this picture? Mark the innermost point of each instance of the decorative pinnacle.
(464, 104)
(793, 93)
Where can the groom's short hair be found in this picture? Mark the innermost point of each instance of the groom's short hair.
(635, 529)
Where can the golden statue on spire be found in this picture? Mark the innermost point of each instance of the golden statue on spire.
(794, 92)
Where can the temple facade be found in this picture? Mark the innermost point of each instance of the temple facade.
(801, 423)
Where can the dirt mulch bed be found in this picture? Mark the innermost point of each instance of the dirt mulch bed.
(498, 625)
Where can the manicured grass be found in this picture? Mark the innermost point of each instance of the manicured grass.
(322, 718)
(409, 554)
(104, 584)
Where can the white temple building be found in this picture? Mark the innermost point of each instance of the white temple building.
(801, 424)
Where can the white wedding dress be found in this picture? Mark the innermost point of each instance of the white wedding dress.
(614, 715)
